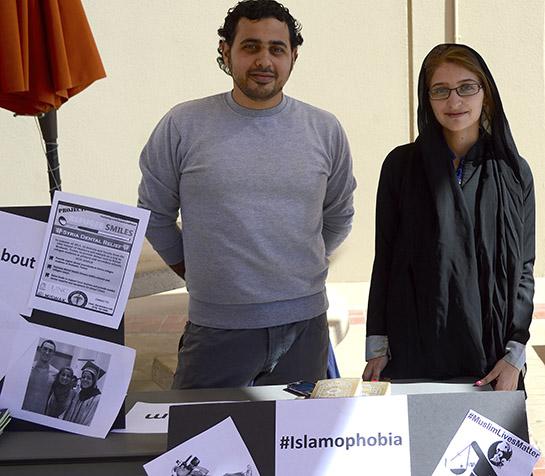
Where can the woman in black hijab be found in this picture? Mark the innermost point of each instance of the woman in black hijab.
(61, 393)
(84, 404)
(452, 284)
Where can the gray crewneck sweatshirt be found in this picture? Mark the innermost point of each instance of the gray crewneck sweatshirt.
(265, 196)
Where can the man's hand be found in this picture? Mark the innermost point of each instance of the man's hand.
(374, 368)
(505, 376)
(179, 269)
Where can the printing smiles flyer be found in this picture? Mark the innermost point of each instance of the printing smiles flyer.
(88, 260)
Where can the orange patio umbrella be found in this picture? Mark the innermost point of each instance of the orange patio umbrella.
(47, 55)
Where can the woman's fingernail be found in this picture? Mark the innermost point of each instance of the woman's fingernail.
(478, 383)
(374, 380)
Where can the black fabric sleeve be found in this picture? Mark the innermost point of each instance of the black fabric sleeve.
(386, 225)
(524, 306)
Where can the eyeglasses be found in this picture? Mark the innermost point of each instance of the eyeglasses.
(466, 89)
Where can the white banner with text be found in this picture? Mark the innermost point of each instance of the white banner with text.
(334, 436)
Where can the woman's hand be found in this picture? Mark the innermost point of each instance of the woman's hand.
(374, 368)
(505, 375)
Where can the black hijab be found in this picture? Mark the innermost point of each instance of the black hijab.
(503, 144)
(89, 392)
(467, 274)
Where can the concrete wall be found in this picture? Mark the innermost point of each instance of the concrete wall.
(360, 60)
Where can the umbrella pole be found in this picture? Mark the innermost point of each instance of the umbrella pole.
(48, 126)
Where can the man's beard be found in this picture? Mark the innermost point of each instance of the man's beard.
(254, 90)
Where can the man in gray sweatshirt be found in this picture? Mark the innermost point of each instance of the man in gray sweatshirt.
(264, 186)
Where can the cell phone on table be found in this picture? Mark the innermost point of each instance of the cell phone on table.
(301, 388)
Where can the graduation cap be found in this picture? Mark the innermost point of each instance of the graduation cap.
(90, 366)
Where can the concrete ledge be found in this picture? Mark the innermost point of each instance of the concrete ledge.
(162, 370)
(153, 275)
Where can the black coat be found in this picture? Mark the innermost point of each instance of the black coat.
(452, 285)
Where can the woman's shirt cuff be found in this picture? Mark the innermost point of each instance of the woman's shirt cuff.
(515, 354)
(376, 346)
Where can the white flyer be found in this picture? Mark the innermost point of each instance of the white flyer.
(146, 417)
(16, 337)
(88, 260)
(21, 242)
(322, 437)
(70, 382)
(218, 451)
(481, 447)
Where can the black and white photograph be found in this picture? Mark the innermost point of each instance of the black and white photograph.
(70, 382)
(192, 466)
(189, 466)
(217, 451)
(65, 381)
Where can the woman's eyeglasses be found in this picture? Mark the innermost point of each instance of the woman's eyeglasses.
(466, 89)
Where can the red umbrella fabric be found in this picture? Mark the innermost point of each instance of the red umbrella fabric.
(47, 54)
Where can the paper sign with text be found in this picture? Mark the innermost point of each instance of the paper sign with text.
(146, 417)
(88, 260)
(481, 447)
(16, 337)
(334, 436)
(21, 242)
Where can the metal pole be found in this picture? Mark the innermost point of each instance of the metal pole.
(48, 126)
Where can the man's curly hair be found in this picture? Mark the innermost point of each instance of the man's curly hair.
(256, 10)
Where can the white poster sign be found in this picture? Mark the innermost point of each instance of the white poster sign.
(16, 337)
(481, 447)
(70, 382)
(334, 436)
(218, 451)
(146, 417)
(21, 241)
(88, 259)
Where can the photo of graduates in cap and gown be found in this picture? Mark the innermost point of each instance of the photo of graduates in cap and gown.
(84, 403)
(65, 382)
(70, 382)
